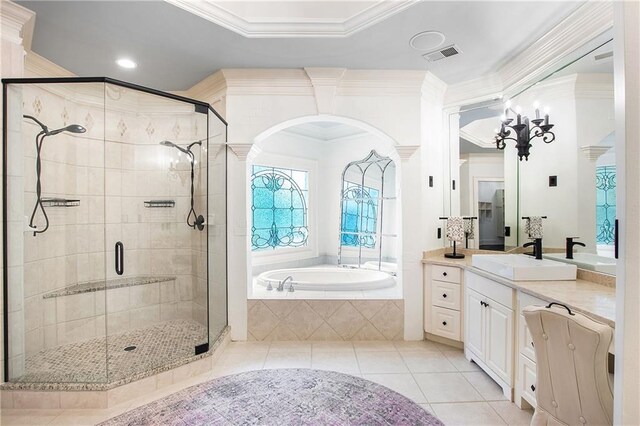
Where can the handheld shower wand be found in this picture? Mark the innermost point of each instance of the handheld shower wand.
(198, 220)
(73, 128)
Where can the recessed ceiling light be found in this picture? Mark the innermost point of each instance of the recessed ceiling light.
(126, 63)
(427, 40)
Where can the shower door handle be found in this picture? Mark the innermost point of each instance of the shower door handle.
(119, 258)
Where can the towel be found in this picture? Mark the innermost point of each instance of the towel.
(533, 227)
(455, 229)
(469, 230)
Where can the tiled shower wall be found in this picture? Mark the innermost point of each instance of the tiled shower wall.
(326, 319)
(112, 179)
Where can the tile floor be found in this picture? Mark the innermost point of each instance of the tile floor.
(436, 376)
(105, 360)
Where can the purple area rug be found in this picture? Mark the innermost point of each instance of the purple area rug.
(281, 397)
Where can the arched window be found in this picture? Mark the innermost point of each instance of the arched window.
(359, 215)
(279, 208)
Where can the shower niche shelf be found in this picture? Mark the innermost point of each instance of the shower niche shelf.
(159, 204)
(60, 202)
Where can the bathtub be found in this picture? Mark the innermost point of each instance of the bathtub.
(328, 279)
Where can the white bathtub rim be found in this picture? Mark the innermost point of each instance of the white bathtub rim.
(376, 279)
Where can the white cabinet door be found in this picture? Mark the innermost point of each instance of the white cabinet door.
(474, 315)
(499, 340)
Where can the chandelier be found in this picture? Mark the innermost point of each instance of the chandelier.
(523, 131)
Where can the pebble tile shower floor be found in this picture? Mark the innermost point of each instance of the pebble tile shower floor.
(105, 360)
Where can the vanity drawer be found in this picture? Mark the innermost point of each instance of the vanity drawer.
(445, 323)
(446, 273)
(445, 295)
(499, 292)
(527, 379)
(525, 341)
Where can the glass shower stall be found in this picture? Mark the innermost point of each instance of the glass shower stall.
(114, 230)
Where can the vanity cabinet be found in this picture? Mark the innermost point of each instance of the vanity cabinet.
(489, 328)
(443, 301)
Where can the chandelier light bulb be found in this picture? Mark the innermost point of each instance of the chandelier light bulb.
(546, 110)
(508, 104)
(518, 109)
(536, 104)
(503, 117)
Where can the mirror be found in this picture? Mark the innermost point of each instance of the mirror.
(570, 180)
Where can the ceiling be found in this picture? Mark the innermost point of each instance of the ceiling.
(325, 130)
(175, 49)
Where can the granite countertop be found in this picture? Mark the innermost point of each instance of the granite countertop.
(595, 300)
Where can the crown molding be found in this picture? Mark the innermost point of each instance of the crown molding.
(211, 87)
(381, 83)
(293, 26)
(325, 83)
(475, 140)
(16, 22)
(267, 81)
(594, 86)
(37, 66)
(587, 22)
(433, 88)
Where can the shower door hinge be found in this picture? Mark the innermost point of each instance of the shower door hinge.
(200, 349)
(202, 109)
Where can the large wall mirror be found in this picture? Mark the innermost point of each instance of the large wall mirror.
(571, 181)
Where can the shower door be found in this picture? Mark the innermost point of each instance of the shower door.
(54, 240)
(156, 241)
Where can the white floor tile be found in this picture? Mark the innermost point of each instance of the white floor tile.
(402, 383)
(288, 360)
(461, 363)
(485, 385)
(418, 345)
(427, 362)
(467, 414)
(373, 362)
(290, 346)
(378, 346)
(329, 346)
(446, 387)
(343, 362)
(511, 414)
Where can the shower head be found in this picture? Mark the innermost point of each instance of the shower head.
(173, 145)
(73, 128)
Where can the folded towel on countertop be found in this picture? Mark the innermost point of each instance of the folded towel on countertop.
(455, 229)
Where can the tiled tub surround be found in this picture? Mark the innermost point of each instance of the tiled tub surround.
(325, 320)
(112, 169)
(84, 396)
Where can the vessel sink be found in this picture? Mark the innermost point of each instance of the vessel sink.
(590, 261)
(520, 267)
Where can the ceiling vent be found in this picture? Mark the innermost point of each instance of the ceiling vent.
(603, 56)
(445, 52)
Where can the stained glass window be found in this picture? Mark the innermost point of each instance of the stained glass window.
(359, 215)
(605, 204)
(279, 208)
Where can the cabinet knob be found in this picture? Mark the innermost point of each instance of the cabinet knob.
(444, 323)
(533, 388)
(532, 345)
(444, 295)
(444, 274)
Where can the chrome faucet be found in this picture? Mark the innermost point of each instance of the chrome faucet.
(537, 248)
(283, 282)
(570, 244)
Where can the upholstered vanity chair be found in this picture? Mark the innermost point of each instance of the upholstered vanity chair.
(573, 386)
